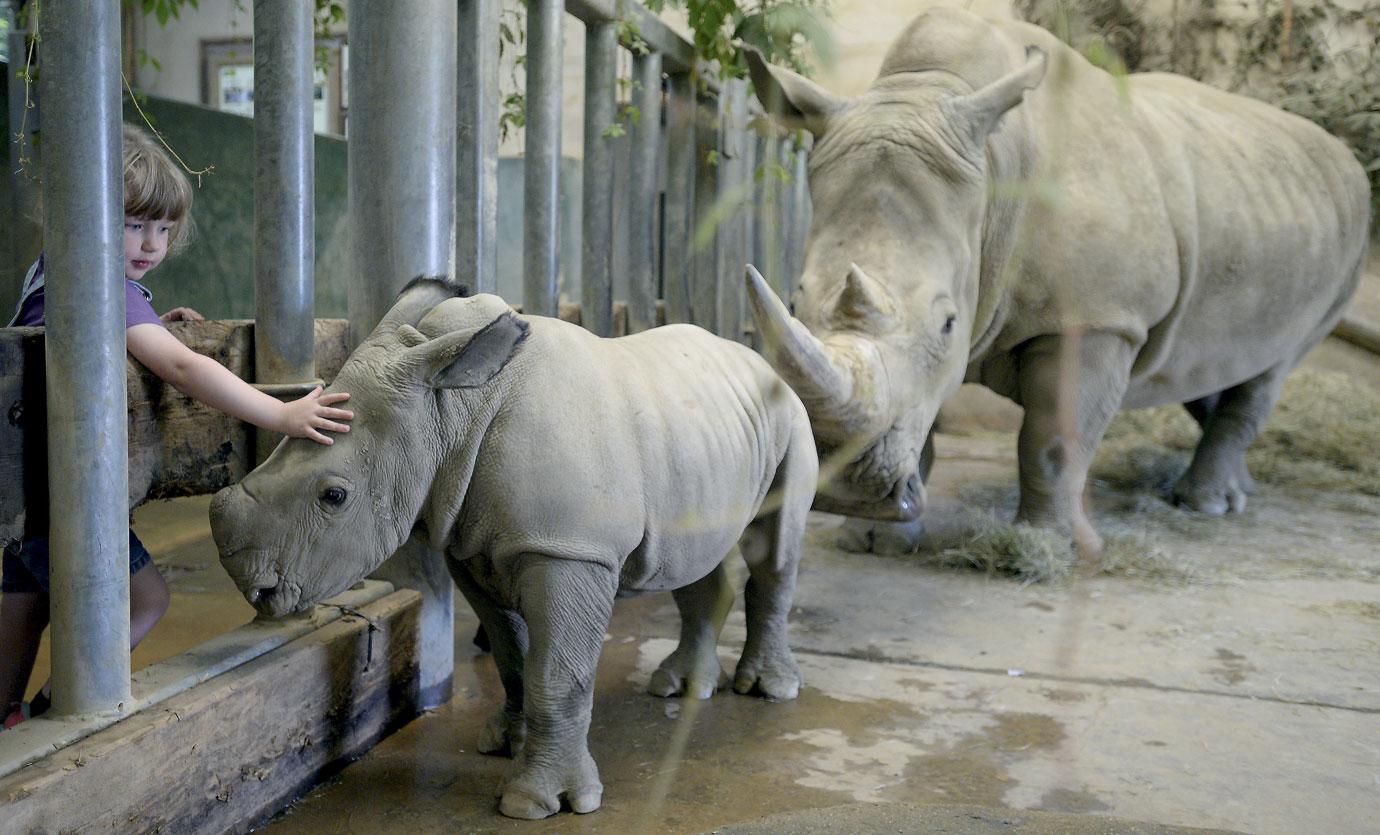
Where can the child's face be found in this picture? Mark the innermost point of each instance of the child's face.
(146, 244)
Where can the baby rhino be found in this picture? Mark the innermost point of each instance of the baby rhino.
(555, 470)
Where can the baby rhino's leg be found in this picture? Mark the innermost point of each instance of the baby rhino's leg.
(506, 731)
(693, 668)
(771, 547)
(566, 605)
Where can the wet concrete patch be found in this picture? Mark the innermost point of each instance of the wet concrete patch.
(1232, 668)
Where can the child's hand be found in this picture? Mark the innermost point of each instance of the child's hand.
(182, 314)
(306, 417)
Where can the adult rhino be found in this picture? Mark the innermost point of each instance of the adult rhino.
(995, 208)
(555, 470)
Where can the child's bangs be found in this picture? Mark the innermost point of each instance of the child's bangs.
(154, 191)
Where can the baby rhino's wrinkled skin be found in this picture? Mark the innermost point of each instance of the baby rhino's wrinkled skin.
(555, 470)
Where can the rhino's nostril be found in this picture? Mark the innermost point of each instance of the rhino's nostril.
(263, 590)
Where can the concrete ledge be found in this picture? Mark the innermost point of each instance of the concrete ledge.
(28, 742)
(229, 752)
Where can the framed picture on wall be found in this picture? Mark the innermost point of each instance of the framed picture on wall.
(227, 81)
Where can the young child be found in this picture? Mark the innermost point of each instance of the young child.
(158, 201)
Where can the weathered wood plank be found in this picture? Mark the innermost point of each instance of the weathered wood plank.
(178, 447)
(226, 754)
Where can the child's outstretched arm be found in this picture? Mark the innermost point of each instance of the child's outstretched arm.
(213, 384)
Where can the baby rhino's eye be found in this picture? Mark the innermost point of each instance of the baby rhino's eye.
(333, 496)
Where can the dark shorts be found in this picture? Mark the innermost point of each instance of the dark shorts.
(26, 564)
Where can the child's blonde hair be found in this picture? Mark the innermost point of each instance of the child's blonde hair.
(155, 188)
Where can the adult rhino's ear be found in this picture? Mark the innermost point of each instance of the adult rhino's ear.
(471, 357)
(795, 101)
(982, 109)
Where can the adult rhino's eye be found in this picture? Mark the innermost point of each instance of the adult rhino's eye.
(333, 496)
(949, 325)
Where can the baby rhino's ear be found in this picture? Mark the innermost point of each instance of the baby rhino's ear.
(472, 357)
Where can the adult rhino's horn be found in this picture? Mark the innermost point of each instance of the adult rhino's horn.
(982, 108)
(416, 298)
(824, 384)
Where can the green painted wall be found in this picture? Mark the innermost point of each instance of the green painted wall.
(215, 273)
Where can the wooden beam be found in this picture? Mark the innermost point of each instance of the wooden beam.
(178, 447)
(228, 753)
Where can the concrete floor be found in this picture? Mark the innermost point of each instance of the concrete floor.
(1248, 703)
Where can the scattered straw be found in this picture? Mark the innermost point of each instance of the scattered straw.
(1322, 435)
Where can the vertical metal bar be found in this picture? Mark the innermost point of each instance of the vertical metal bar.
(284, 199)
(401, 172)
(678, 256)
(643, 191)
(704, 291)
(734, 191)
(596, 249)
(766, 245)
(791, 237)
(800, 209)
(83, 220)
(476, 163)
(542, 159)
(23, 163)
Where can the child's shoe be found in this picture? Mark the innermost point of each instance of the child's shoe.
(17, 713)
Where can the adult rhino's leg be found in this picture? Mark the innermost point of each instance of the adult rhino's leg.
(505, 732)
(693, 668)
(1058, 438)
(771, 547)
(1217, 480)
(862, 536)
(566, 604)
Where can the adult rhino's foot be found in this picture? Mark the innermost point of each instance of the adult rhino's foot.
(767, 673)
(504, 735)
(1215, 492)
(1075, 526)
(689, 672)
(534, 792)
(867, 536)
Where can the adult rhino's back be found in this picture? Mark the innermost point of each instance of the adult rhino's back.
(1270, 216)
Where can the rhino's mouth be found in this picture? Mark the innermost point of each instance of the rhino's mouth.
(274, 598)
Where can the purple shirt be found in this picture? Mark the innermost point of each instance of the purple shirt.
(138, 310)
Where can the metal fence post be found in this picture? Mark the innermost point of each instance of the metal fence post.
(643, 192)
(284, 199)
(704, 292)
(801, 213)
(24, 232)
(476, 163)
(734, 193)
(83, 220)
(542, 159)
(678, 252)
(401, 203)
(601, 105)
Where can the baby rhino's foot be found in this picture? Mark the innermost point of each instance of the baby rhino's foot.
(504, 734)
(686, 673)
(533, 792)
(772, 675)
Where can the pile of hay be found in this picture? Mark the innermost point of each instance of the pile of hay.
(984, 543)
(1324, 435)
